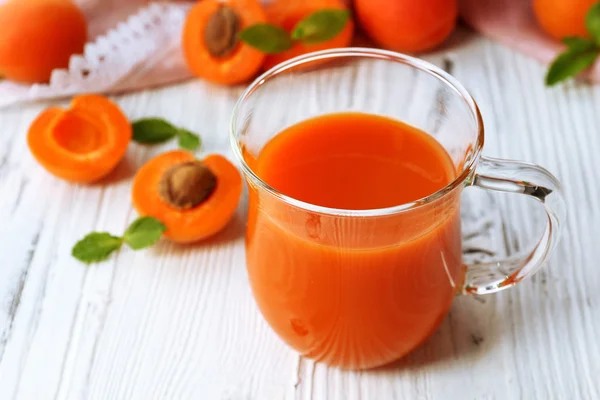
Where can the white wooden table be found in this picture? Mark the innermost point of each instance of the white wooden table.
(177, 322)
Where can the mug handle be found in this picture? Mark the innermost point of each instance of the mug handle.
(523, 178)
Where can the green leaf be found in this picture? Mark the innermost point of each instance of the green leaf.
(267, 38)
(152, 130)
(592, 22)
(321, 26)
(96, 246)
(143, 232)
(569, 64)
(188, 140)
(576, 43)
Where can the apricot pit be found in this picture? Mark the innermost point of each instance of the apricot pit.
(187, 185)
(221, 32)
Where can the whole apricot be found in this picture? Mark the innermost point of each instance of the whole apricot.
(407, 25)
(562, 18)
(38, 36)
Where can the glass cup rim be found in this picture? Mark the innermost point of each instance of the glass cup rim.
(410, 61)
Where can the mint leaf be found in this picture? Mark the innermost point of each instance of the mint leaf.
(152, 130)
(592, 22)
(266, 38)
(569, 64)
(576, 43)
(188, 140)
(143, 232)
(96, 246)
(321, 26)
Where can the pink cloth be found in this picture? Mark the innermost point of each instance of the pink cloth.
(136, 44)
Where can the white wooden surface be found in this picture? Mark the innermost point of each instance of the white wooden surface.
(179, 322)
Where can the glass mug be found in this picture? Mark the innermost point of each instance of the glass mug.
(362, 288)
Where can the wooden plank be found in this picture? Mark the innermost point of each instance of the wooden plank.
(170, 322)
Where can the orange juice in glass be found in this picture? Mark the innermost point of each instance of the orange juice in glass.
(356, 160)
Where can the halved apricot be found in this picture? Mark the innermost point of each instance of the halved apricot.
(286, 14)
(194, 199)
(83, 143)
(210, 40)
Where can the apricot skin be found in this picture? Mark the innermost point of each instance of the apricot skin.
(39, 36)
(407, 26)
(562, 18)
